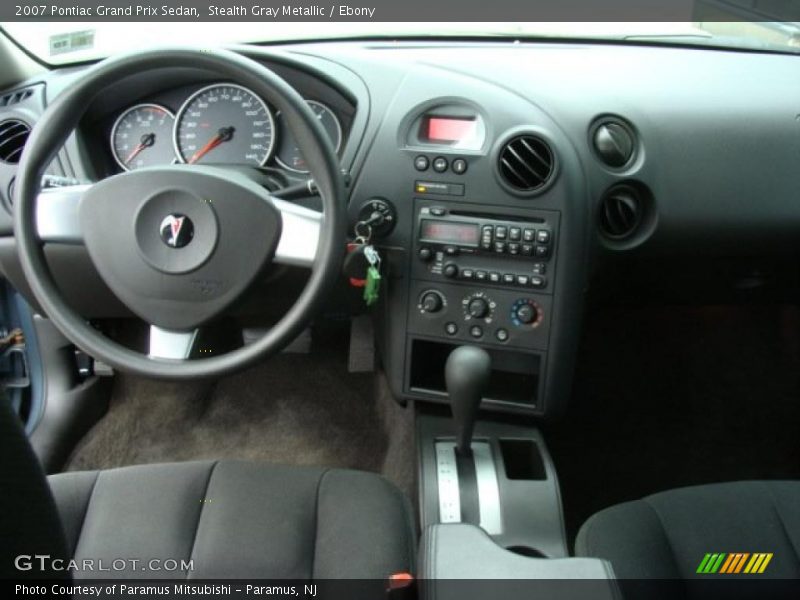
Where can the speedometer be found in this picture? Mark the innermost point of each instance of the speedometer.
(224, 123)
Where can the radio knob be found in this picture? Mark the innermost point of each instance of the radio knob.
(431, 302)
(450, 270)
(425, 254)
(478, 308)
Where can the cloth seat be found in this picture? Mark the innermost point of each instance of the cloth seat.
(667, 535)
(235, 520)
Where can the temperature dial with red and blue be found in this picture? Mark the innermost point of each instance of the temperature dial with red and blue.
(526, 313)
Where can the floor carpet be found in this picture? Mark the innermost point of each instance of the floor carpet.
(298, 409)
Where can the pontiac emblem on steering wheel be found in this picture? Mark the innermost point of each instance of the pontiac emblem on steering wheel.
(176, 230)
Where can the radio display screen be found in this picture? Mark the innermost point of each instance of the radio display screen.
(448, 130)
(449, 232)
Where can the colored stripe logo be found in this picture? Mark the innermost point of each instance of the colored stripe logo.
(734, 563)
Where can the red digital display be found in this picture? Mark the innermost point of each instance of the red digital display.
(448, 130)
(448, 232)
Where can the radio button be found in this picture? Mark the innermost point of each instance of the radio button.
(494, 277)
(437, 211)
(539, 268)
(543, 236)
(526, 249)
(421, 163)
(538, 281)
(500, 247)
(509, 278)
(513, 248)
(451, 250)
(467, 274)
(514, 234)
(542, 251)
(522, 279)
(440, 164)
(528, 235)
(480, 275)
(500, 232)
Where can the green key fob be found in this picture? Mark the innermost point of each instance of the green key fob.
(372, 286)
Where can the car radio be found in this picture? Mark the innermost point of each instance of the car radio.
(497, 250)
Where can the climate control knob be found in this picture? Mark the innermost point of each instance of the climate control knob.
(525, 312)
(431, 302)
(478, 308)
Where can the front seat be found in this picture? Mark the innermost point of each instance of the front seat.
(668, 535)
(230, 519)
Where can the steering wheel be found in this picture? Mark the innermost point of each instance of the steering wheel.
(178, 244)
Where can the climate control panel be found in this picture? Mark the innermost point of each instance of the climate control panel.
(470, 314)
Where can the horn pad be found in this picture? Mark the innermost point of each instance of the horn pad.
(179, 244)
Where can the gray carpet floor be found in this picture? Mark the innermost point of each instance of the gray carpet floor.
(296, 409)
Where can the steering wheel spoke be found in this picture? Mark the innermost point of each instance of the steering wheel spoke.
(299, 234)
(57, 214)
(168, 343)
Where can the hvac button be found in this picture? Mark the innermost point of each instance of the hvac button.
(476, 331)
(501, 335)
(450, 328)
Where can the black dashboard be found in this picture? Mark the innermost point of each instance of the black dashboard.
(512, 175)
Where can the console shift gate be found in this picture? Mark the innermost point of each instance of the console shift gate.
(467, 479)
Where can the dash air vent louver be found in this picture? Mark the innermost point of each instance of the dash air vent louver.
(526, 163)
(13, 135)
(621, 212)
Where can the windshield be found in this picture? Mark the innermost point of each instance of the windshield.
(67, 42)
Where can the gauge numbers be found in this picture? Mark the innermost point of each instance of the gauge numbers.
(142, 137)
(289, 155)
(224, 124)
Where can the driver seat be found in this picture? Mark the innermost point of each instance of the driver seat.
(235, 520)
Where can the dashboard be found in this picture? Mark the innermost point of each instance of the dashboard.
(511, 179)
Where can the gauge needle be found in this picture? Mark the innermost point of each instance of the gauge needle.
(148, 139)
(223, 135)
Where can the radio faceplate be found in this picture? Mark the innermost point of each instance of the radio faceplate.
(515, 249)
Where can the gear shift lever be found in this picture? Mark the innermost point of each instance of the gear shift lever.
(466, 374)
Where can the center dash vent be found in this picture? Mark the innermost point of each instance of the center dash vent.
(13, 135)
(526, 163)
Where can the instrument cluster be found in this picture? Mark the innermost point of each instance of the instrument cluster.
(221, 123)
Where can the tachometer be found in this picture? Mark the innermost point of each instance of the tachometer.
(142, 137)
(224, 123)
(288, 155)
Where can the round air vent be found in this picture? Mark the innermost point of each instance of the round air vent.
(526, 163)
(621, 212)
(13, 135)
(613, 142)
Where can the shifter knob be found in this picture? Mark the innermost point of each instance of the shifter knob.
(466, 374)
